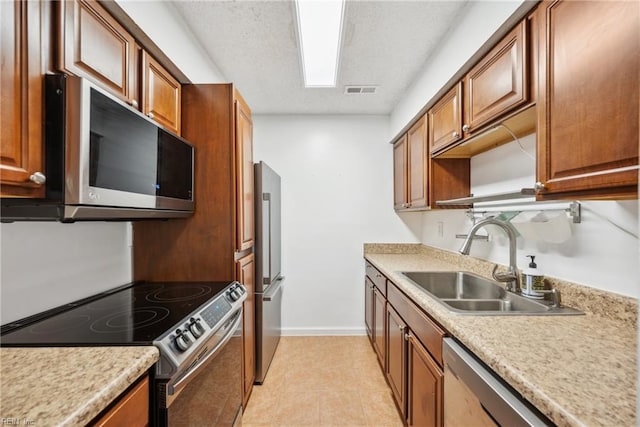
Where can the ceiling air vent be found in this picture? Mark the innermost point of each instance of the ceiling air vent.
(360, 90)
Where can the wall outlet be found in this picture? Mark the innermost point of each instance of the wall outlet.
(440, 229)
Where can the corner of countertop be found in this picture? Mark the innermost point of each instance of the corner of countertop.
(608, 305)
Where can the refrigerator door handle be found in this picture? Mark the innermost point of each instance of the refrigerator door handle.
(273, 289)
(266, 238)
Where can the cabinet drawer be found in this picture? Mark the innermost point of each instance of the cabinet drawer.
(378, 279)
(131, 410)
(425, 329)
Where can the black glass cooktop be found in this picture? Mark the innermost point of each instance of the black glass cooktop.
(134, 315)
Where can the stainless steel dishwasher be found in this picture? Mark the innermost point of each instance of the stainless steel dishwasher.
(475, 397)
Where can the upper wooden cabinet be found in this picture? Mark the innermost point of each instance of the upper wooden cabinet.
(588, 99)
(161, 94)
(94, 45)
(499, 82)
(445, 120)
(21, 97)
(411, 167)
(244, 174)
(418, 162)
(400, 162)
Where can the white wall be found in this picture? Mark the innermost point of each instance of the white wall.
(46, 264)
(476, 23)
(171, 34)
(336, 195)
(598, 254)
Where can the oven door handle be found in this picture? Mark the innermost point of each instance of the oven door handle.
(174, 388)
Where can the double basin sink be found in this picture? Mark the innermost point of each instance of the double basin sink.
(467, 293)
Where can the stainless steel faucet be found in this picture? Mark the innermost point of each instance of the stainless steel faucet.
(512, 276)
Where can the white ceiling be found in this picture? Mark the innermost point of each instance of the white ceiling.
(254, 43)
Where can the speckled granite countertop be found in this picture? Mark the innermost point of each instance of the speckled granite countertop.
(66, 386)
(577, 370)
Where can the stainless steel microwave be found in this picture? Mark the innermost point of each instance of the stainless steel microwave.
(105, 160)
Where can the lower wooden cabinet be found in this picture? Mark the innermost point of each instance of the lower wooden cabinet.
(379, 338)
(409, 346)
(131, 410)
(246, 269)
(424, 386)
(368, 307)
(396, 368)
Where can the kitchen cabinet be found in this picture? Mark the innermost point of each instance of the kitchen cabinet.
(499, 82)
(92, 44)
(588, 99)
(445, 120)
(396, 351)
(400, 168)
(368, 307)
(414, 361)
(161, 94)
(378, 311)
(420, 180)
(379, 337)
(411, 168)
(246, 269)
(22, 49)
(131, 409)
(206, 246)
(424, 387)
(244, 174)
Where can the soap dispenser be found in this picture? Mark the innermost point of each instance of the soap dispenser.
(532, 280)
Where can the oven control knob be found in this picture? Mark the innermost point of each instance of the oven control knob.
(183, 342)
(196, 328)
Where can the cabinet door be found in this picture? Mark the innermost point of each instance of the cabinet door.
(244, 176)
(368, 307)
(396, 357)
(131, 410)
(588, 99)
(400, 173)
(424, 387)
(379, 307)
(20, 98)
(445, 119)
(96, 46)
(245, 275)
(498, 83)
(418, 160)
(161, 94)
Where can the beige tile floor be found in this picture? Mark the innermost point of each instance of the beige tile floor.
(323, 381)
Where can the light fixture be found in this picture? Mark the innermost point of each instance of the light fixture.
(319, 32)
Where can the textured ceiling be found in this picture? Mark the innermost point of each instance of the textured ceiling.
(254, 43)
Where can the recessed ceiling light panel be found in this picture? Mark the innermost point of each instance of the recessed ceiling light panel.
(319, 32)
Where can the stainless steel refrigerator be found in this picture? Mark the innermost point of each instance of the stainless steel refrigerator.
(268, 287)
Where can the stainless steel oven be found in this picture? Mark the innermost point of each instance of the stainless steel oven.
(196, 326)
(210, 393)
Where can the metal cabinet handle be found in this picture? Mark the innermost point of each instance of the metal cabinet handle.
(455, 134)
(151, 116)
(134, 103)
(402, 328)
(406, 337)
(539, 186)
(38, 178)
(465, 128)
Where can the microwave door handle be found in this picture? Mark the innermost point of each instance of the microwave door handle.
(266, 238)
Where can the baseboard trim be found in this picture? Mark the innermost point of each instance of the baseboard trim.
(305, 332)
